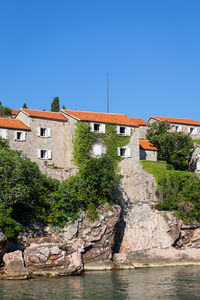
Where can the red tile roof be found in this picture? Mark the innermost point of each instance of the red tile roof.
(44, 114)
(15, 111)
(146, 145)
(139, 121)
(12, 123)
(177, 120)
(101, 117)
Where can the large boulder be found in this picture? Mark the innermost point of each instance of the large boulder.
(98, 237)
(52, 256)
(14, 266)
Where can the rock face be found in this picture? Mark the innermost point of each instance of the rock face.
(53, 256)
(3, 245)
(189, 236)
(98, 237)
(14, 265)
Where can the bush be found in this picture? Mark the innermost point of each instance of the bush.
(173, 147)
(179, 191)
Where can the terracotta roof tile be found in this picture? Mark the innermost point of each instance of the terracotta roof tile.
(101, 117)
(15, 111)
(146, 145)
(44, 114)
(139, 121)
(177, 120)
(12, 123)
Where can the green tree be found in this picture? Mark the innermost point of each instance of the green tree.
(24, 105)
(63, 107)
(55, 105)
(5, 111)
(173, 147)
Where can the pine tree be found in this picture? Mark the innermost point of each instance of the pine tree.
(24, 105)
(55, 105)
(63, 107)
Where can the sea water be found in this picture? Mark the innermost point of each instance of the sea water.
(148, 283)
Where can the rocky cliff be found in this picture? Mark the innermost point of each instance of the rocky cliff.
(150, 237)
(130, 235)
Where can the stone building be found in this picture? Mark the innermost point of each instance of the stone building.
(47, 137)
(124, 126)
(147, 151)
(18, 134)
(48, 141)
(187, 126)
(142, 126)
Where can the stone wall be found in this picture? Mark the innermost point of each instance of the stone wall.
(148, 155)
(184, 128)
(57, 142)
(142, 131)
(194, 164)
(24, 146)
(58, 173)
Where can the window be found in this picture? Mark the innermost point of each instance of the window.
(178, 128)
(98, 127)
(3, 133)
(44, 132)
(20, 136)
(124, 130)
(97, 149)
(124, 152)
(44, 154)
(192, 130)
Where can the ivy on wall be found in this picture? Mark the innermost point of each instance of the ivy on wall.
(84, 138)
(112, 140)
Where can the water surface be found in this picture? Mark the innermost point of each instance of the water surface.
(150, 283)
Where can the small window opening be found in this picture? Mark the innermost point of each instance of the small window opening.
(122, 130)
(96, 127)
(191, 130)
(122, 152)
(43, 132)
(44, 154)
(19, 135)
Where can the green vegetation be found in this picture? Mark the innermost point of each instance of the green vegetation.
(55, 105)
(197, 141)
(178, 191)
(5, 111)
(112, 140)
(173, 147)
(83, 140)
(24, 105)
(27, 195)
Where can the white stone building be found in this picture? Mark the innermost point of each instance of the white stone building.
(187, 126)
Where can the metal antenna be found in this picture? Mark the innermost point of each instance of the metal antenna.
(107, 92)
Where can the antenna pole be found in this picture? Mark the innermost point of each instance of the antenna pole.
(107, 92)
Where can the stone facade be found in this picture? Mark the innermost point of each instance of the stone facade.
(142, 131)
(133, 145)
(56, 143)
(195, 160)
(148, 155)
(192, 129)
(17, 144)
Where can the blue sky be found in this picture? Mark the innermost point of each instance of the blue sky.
(151, 49)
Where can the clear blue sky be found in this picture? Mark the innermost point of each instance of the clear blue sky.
(151, 49)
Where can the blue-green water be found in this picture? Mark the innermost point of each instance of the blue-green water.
(154, 283)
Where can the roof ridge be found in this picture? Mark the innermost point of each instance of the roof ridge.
(94, 112)
(48, 111)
